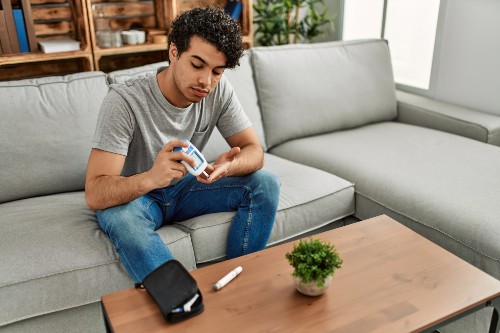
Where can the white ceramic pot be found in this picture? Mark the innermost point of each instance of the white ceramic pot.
(311, 288)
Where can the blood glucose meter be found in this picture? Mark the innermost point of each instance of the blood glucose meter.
(199, 159)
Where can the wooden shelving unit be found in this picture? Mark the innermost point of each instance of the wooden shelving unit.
(51, 19)
(76, 19)
(142, 14)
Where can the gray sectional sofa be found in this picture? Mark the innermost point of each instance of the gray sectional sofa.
(342, 140)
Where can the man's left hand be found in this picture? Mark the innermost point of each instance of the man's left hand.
(221, 167)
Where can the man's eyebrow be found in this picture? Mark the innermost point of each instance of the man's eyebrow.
(203, 61)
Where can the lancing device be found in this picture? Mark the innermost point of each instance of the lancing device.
(199, 159)
(228, 278)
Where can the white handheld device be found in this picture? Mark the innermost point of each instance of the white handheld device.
(199, 159)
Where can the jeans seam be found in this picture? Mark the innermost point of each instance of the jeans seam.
(215, 188)
(123, 257)
(146, 209)
(249, 221)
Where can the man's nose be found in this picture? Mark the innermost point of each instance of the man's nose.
(205, 78)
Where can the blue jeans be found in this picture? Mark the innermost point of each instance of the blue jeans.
(131, 227)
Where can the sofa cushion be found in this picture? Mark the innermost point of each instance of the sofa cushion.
(352, 85)
(309, 198)
(82, 319)
(121, 76)
(442, 185)
(54, 256)
(46, 133)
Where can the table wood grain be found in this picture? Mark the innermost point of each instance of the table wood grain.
(392, 280)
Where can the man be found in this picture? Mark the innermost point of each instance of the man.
(135, 182)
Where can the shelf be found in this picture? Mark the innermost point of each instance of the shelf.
(58, 64)
(109, 59)
(40, 56)
(148, 47)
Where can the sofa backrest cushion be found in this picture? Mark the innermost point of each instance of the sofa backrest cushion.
(310, 89)
(46, 133)
(241, 78)
(121, 76)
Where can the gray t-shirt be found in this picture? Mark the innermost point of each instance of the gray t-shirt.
(136, 120)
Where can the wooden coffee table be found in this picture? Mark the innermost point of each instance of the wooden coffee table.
(392, 280)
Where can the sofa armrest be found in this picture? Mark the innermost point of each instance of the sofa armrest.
(446, 117)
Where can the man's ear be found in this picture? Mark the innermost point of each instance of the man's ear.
(173, 53)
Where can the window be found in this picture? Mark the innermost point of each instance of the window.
(409, 26)
(362, 19)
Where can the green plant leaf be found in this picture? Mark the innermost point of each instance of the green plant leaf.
(314, 260)
(275, 22)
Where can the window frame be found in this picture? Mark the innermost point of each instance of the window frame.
(435, 56)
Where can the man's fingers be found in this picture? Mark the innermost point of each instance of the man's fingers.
(218, 174)
(180, 156)
(174, 143)
(233, 152)
(215, 175)
(209, 169)
(178, 167)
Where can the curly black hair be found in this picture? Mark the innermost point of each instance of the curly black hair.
(212, 25)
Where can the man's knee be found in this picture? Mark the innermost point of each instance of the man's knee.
(123, 215)
(269, 185)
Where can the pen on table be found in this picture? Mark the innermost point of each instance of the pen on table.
(228, 278)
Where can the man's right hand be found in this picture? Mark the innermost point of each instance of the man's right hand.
(167, 167)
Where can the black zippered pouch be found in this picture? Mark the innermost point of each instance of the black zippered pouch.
(175, 291)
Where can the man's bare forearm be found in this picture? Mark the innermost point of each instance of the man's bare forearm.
(250, 159)
(107, 191)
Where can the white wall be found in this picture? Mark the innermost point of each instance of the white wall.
(468, 55)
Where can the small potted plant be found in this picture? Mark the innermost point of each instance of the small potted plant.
(314, 263)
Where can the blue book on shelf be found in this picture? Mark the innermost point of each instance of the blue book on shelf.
(234, 8)
(21, 30)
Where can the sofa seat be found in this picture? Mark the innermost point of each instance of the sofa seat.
(442, 185)
(58, 258)
(309, 199)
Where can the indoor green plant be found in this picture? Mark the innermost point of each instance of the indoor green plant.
(314, 263)
(278, 22)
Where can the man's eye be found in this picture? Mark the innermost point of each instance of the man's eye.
(197, 67)
(217, 73)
